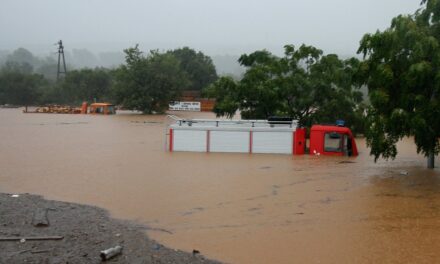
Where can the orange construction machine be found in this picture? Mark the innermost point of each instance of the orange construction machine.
(99, 108)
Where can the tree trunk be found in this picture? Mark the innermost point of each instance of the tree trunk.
(431, 159)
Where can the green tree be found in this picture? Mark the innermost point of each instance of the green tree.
(225, 90)
(87, 85)
(401, 69)
(259, 92)
(337, 92)
(21, 67)
(199, 68)
(148, 83)
(304, 85)
(18, 88)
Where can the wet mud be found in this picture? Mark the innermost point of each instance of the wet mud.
(74, 233)
(237, 208)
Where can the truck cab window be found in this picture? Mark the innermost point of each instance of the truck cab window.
(333, 142)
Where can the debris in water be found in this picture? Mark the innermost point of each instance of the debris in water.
(193, 211)
(327, 200)
(70, 123)
(346, 161)
(403, 173)
(146, 122)
(15, 195)
(159, 230)
(195, 252)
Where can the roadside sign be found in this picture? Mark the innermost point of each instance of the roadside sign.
(185, 106)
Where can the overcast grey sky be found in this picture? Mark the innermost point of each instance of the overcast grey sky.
(215, 27)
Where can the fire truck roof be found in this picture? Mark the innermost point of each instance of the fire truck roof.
(331, 128)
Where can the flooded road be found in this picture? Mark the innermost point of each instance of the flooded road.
(237, 208)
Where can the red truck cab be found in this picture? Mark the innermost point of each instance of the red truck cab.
(332, 140)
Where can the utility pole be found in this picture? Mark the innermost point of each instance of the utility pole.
(61, 56)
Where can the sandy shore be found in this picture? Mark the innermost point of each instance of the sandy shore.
(86, 231)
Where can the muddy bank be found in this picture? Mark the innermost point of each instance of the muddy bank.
(86, 230)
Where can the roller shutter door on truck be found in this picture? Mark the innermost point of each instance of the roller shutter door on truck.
(272, 142)
(189, 140)
(229, 141)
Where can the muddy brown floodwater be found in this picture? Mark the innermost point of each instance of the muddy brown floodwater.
(236, 208)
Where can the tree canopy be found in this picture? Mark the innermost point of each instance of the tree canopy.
(303, 84)
(401, 70)
(148, 83)
(87, 85)
(199, 68)
(20, 88)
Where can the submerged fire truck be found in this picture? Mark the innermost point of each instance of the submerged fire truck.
(272, 136)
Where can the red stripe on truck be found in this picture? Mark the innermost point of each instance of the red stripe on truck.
(171, 139)
(250, 141)
(208, 141)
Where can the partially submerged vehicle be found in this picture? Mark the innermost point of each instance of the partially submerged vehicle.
(273, 136)
(95, 108)
(333, 140)
(101, 108)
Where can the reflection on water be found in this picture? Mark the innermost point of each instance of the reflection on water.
(237, 208)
